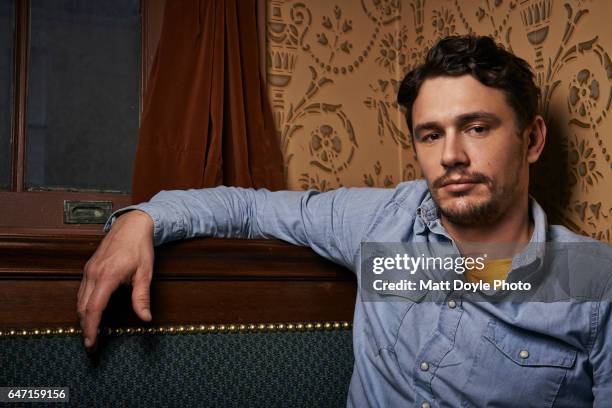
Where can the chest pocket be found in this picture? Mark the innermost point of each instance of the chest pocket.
(516, 368)
(386, 308)
(383, 319)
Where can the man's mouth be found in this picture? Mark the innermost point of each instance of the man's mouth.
(460, 185)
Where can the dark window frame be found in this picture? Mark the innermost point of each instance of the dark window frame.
(41, 212)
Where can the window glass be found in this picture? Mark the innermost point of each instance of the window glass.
(7, 29)
(83, 94)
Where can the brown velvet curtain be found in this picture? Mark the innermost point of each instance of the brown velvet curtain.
(206, 121)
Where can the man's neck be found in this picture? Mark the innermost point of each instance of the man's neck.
(514, 227)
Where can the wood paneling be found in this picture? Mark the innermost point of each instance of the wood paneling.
(196, 281)
(39, 211)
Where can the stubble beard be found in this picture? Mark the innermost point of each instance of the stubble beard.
(471, 212)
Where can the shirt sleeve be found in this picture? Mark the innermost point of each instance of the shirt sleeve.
(332, 223)
(601, 353)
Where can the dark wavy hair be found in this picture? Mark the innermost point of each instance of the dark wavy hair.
(482, 58)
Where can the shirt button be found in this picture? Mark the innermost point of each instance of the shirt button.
(452, 304)
(424, 366)
(426, 405)
(524, 354)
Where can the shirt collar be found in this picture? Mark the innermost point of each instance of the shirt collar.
(428, 210)
(534, 251)
(427, 214)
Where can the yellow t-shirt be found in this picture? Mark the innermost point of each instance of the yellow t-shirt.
(496, 269)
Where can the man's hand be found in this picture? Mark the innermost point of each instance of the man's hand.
(125, 256)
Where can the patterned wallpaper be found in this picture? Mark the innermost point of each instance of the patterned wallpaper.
(334, 68)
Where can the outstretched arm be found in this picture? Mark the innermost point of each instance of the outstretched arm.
(332, 223)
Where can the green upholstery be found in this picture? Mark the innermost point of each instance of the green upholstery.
(248, 369)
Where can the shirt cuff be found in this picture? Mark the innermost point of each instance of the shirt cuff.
(164, 229)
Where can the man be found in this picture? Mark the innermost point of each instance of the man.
(471, 107)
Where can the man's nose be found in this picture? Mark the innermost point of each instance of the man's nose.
(453, 153)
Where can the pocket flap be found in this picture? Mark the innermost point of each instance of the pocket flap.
(528, 348)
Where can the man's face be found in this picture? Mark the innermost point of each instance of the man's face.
(469, 148)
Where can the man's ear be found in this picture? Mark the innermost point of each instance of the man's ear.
(536, 139)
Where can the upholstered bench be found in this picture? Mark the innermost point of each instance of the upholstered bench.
(295, 365)
(166, 364)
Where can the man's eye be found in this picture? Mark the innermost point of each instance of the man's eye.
(478, 130)
(430, 137)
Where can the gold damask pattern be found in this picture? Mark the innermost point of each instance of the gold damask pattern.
(334, 68)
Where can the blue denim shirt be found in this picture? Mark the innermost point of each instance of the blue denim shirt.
(410, 353)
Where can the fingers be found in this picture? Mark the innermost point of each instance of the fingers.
(80, 292)
(127, 248)
(141, 293)
(97, 295)
(87, 286)
(82, 286)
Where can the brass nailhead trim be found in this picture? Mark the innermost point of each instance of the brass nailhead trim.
(203, 328)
